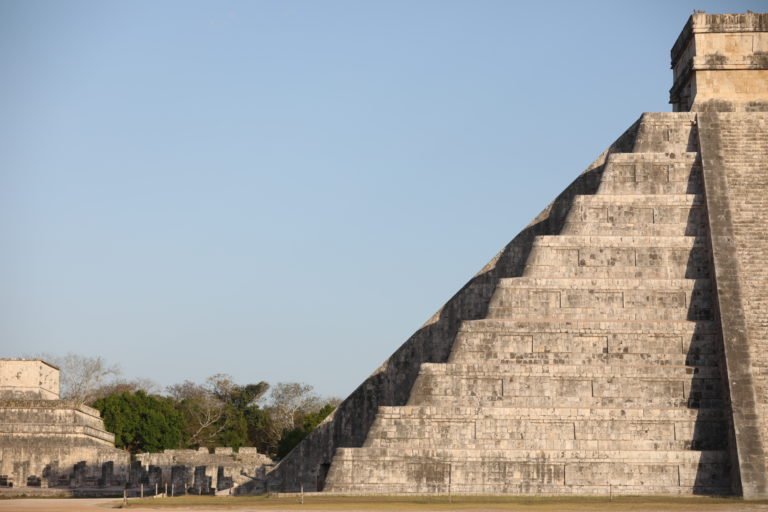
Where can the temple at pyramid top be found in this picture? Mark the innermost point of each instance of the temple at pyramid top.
(720, 63)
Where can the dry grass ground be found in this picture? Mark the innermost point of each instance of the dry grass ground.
(349, 504)
(474, 503)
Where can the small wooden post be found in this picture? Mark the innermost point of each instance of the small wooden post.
(125, 497)
(165, 494)
(142, 490)
(155, 488)
(302, 493)
(172, 484)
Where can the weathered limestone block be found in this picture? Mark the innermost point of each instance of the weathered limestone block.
(735, 161)
(651, 173)
(28, 379)
(720, 62)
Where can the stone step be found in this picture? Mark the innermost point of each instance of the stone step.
(458, 454)
(372, 470)
(619, 299)
(701, 310)
(671, 271)
(651, 173)
(432, 383)
(429, 412)
(607, 241)
(637, 201)
(595, 284)
(422, 470)
(637, 209)
(64, 432)
(638, 229)
(696, 341)
(519, 487)
(676, 346)
(695, 185)
(549, 365)
(621, 166)
(619, 257)
(589, 326)
(469, 355)
(667, 132)
(430, 442)
(566, 402)
(547, 434)
(11, 413)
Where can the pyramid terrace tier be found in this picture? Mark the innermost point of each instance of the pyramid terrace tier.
(567, 364)
(638, 209)
(471, 387)
(595, 256)
(513, 432)
(693, 342)
(602, 299)
(439, 412)
(652, 173)
(553, 472)
(86, 435)
(599, 364)
(524, 435)
(666, 132)
(569, 402)
(637, 215)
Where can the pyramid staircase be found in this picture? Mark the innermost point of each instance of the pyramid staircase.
(597, 371)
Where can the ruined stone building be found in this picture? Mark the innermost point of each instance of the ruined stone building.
(203, 472)
(619, 343)
(61, 445)
(47, 442)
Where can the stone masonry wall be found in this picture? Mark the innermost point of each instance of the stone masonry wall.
(53, 443)
(720, 62)
(734, 148)
(28, 379)
(198, 471)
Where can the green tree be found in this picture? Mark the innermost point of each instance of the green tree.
(141, 422)
(215, 413)
(262, 431)
(310, 421)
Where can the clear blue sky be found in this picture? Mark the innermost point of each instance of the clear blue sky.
(287, 190)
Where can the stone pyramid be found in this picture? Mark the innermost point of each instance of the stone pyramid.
(597, 367)
(618, 344)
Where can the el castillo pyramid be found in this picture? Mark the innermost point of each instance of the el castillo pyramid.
(618, 344)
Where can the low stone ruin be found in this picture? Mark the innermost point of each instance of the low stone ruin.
(53, 446)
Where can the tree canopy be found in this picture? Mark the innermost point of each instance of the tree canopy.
(141, 422)
(217, 412)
